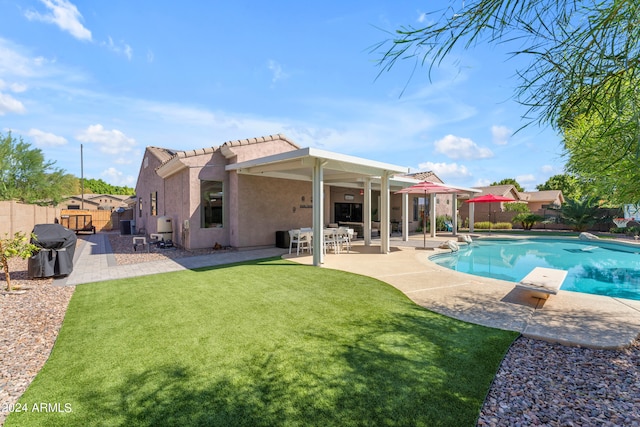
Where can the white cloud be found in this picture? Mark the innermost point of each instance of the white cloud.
(276, 71)
(525, 179)
(9, 104)
(116, 177)
(15, 64)
(482, 183)
(150, 56)
(456, 147)
(17, 87)
(109, 141)
(501, 134)
(120, 49)
(13, 87)
(46, 139)
(547, 169)
(446, 170)
(65, 15)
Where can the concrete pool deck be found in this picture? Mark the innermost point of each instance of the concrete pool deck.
(569, 318)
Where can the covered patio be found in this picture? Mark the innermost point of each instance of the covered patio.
(323, 168)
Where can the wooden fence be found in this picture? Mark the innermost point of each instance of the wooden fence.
(101, 220)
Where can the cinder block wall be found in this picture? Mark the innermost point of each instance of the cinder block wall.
(15, 217)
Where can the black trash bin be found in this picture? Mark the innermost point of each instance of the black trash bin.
(57, 246)
(125, 227)
(282, 239)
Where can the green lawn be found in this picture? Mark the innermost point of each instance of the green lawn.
(260, 344)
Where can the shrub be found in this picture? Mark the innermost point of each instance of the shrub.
(486, 225)
(527, 219)
(440, 220)
(16, 246)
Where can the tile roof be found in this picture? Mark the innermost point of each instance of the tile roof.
(168, 155)
(542, 196)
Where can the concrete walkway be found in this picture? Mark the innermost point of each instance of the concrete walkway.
(94, 262)
(570, 318)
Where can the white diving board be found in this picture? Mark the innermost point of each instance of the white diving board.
(543, 282)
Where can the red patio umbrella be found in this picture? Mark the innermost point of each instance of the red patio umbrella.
(490, 198)
(428, 187)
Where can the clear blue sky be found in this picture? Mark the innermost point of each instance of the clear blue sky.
(119, 75)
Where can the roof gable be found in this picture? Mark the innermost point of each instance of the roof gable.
(172, 163)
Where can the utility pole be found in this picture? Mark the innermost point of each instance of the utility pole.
(81, 178)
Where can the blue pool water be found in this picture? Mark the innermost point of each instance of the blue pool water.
(600, 268)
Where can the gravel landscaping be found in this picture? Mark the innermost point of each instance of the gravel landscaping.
(538, 383)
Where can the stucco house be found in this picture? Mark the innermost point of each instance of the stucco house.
(108, 202)
(541, 202)
(538, 202)
(242, 192)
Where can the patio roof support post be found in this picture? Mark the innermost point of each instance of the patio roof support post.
(454, 213)
(366, 229)
(471, 209)
(432, 206)
(385, 216)
(405, 217)
(318, 212)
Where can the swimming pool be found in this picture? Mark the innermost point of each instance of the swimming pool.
(594, 267)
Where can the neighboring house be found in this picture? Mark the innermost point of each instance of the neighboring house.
(417, 204)
(107, 202)
(493, 212)
(538, 202)
(243, 192)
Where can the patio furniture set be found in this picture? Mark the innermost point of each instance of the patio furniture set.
(335, 239)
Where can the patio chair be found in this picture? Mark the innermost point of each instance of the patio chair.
(302, 240)
(448, 225)
(330, 240)
(343, 237)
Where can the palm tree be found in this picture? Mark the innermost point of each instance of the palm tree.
(581, 213)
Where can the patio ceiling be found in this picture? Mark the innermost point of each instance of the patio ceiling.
(338, 169)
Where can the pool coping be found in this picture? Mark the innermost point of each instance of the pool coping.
(606, 244)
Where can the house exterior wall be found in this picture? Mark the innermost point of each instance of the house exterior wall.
(148, 182)
(254, 208)
(267, 205)
(206, 168)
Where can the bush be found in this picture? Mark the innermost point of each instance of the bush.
(440, 220)
(527, 219)
(486, 225)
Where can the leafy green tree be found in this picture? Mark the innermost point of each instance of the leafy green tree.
(581, 213)
(98, 186)
(603, 144)
(26, 176)
(570, 185)
(521, 207)
(582, 73)
(18, 245)
(509, 181)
